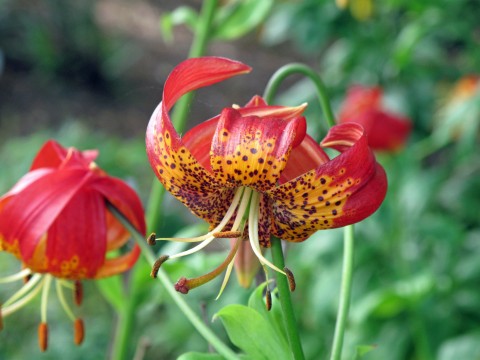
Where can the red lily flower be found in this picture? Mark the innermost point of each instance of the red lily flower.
(386, 131)
(55, 220)
(252, 171)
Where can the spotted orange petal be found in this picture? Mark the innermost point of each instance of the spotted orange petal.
(340, 192)
(175, 166)
(251, 150)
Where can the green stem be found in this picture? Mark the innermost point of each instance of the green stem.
(196, 321)
(287, 70)
(346, 286)
(153, 214)
(286, 302)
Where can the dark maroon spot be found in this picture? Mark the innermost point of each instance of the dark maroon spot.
(334, 212)
(322, 181)
(261, 161)
(338, 203)
(320, 198)
(172, 166)
(253, 150)
(327, 203)
(245, 158)
(229, 162)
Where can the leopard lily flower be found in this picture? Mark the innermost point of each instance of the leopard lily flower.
(253, 172)
(55, 220)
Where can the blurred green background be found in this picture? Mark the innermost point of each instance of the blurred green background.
(90, 73)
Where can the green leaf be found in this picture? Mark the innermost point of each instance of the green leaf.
(199, 356)
(274, 316)
(240, 17)
(112, 290)
(252, 333)
(361, 350)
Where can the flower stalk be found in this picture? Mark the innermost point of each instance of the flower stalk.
(283, 286)
(346, 287)
(195, 320)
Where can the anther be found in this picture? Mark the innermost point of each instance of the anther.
(227, 234)
(151, 239)
(1, 318)
(78, 292)
(27, 278)
(268, 299)
(157, 264)
(181, 286)
(291, 279)
(43, 336)
(78, 331)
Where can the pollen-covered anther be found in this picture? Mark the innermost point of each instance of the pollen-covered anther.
(268, 299)
(151, 239)
(182, 285)
(78, 331)
(158, 263)
(227, 234)
(291, 279)
(78, 293)
(43, 336)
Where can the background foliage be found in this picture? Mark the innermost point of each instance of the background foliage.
(415, 292)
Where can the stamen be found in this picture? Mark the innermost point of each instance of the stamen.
(1, 318)
(15, 277)
(151, 239)
(268, 299)
(78, 293)
(291, 279)
(78, 331)
(184, 285)
(253, 232)
(227, 234)
(158, 263)
(43, 336)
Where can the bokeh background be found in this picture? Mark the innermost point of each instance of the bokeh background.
(90, 73)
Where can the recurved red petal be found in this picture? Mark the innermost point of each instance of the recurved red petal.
(54, 155)
(27, 216)
(340, 192)
(303, 158)
(252, 151)
(75, 245)
(175, 166)
(117, 265)
(127, 202)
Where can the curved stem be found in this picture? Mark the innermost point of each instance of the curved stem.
(153, 214)
(287, 70)
(196, 321)
(286, 302)
(344, 303)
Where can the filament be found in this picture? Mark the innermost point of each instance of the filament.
(23, 290)
(7, 310)
(18, 276)
(43, 307)
(61, 297)
(253, 232)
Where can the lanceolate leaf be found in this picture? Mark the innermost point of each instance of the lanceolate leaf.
(252, 333)
(240, 17)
